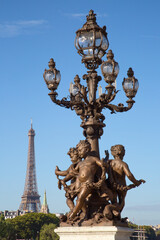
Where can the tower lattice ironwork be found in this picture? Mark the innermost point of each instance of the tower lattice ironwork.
(30, 198)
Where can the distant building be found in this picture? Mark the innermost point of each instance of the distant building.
(44, 208)
(156, 228)
(59, 215)
(11, 214)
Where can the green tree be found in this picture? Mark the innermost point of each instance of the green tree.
(132, 225)
(7, 230)
(47, 232)
(157, 232)
(28, 225)
(150, 233)
(10, 231)
(158, 236)
(2, 227)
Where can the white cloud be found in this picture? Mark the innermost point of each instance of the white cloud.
(15, 28)
(82, 15)
(78, 14)
(31, 22)
(102, 15)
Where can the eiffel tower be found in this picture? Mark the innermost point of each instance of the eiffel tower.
(30, 199)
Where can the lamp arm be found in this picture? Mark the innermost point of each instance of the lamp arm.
(62, 103)
(65, 103)
(112, 97)
(120, 107)
(104, 99)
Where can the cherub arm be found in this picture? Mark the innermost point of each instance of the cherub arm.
(131, 176)
(61, 173)
(67, 178)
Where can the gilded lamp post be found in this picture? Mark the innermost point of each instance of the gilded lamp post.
(91, 43)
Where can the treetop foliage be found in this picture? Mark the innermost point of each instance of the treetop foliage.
(27, 226)
(149, 231)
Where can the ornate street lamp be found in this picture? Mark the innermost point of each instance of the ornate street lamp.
(130, 84)
(92, 43)
(110, 68)
(52, 76)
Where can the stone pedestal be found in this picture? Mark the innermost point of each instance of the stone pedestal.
(94, 233)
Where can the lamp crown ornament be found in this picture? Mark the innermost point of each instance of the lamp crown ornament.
(97, 185)
(130, 72)
(77, 79)
(91, 16)
(51, 64)
(110, 54)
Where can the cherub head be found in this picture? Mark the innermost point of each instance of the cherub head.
(84, 147)
(73, 153)
(118, 150)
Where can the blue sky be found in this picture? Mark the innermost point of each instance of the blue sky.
(31, 32)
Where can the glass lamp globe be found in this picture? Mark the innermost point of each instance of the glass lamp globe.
(130, 84)
(110, 68)
(52, 76)
(74, 90)
(91, 42)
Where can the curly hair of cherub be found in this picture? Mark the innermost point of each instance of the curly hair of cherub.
(72, 151)
(118, 150)
(85, 144)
